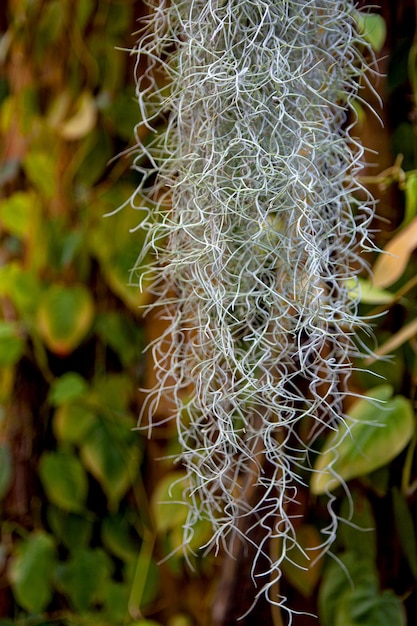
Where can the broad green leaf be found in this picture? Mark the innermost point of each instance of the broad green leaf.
(112, 244)
(362, 606)
(65, 315)
(338, 579)
(115, 391)
(123, 336)
(12, 344)
(391, 263)
(68, 388)
(64, 480)
(6, 468)
(406, 530)
(107, 452)
(72, 530)
(373, 28)
(21, 286)
(72, 421)
(85, 577)
(31, 572)
(40, 168)
(376, 434)
(17, 211)
(119, 537)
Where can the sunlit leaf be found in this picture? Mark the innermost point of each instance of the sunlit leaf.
(17, 211)
(67, 388)
(21, 286)
(390, 264)
(168, 505)
(65, 315)
(380, 428)
(64, 480)
(84, 578)
(368, 293)
(373, 28)
(83, 120)
(40, 168)
(12, 344)
(31, 572)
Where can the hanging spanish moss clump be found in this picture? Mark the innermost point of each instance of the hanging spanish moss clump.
(257, 229)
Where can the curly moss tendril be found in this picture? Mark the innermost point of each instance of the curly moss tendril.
(257, 229)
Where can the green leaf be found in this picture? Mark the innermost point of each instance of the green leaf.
(410, 199)
(117, 251)
(368, 293)
(116, 602)
(373, 28)
(85, 578)
(357, 526)
(12, 344)
(31, 571)
(168, 504)
(107, 452)
(16, 213)
(69, 387)
(71, 422)
(40, 168)
(362, 606)
(119, 537)
(6, 469)
(376, 433)
(72, 530)
(115, 391)
(121, 334)
(65, 315)
(339, 578)
(64, 480)
(21, 286)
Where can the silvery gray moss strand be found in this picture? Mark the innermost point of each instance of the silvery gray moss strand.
(257, 229)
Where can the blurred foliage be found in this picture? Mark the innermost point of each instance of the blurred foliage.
(80, 537)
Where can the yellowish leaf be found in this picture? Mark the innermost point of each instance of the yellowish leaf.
(83, 120)
(390, 265)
